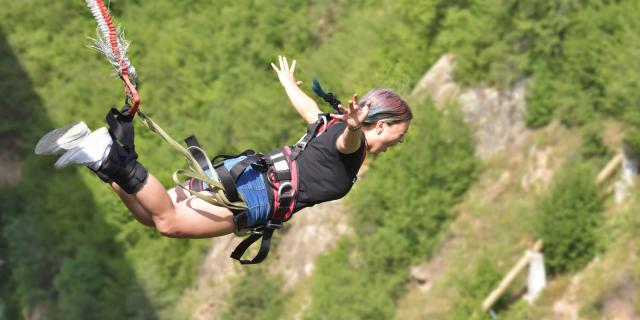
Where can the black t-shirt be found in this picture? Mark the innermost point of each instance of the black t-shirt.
(323, 172)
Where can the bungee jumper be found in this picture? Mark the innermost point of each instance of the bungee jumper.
(250, 193)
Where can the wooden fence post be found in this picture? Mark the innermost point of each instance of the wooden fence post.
(506, 281)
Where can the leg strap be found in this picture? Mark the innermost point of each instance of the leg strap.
(266, 235)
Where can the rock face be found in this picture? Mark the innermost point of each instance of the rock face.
(313, 231)
(495, 117)
(539, 173)
(438, 83)
(215, 278)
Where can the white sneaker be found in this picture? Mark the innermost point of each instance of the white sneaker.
(60, 140)
(91, 151)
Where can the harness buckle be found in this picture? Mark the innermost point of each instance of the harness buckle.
(272, 225)
(260, 165)
(301, 145)
(283, 186)
(324, 124)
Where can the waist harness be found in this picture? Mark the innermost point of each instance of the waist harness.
(281, 172)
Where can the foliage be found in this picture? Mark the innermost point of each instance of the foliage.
(345, 287)
(473, 287)
(569, 218)
(256, 295)
(593, 147)
(521, 310)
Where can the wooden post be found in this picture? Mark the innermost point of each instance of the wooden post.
(609, 168)
(506, 281)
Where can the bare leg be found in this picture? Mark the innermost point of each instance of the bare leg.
(176, 214)
(138, 212)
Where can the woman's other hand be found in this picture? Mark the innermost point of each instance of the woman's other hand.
(285, 72)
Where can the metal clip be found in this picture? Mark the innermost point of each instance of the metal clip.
(283, 185)
(301, 145)
(271, 225)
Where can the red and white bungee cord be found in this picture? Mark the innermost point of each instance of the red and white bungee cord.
(110, 41)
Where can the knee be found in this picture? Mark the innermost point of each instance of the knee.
(167, 227)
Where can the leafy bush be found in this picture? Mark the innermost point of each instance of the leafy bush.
(256, 296)
(593, 147)
(473, 287)
(346, 287)
(569, 218)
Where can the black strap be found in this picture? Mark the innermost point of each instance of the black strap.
(311, 133)
(240, 218)
(228, 182)
(239, 167)
(121, 127)
(266, 235)
(225, 156)
(200, 157)
(228, 178)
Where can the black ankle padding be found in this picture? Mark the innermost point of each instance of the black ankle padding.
(130, 176)
(121, 166)
(102, 176)
(135, 181)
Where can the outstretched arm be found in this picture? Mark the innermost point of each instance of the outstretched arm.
(304, 105)
(349, 141)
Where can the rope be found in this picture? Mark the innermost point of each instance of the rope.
(217, 196)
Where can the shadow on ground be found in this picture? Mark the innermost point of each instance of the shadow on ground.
(58, 258)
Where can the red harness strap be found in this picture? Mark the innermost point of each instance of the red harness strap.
(286, 188)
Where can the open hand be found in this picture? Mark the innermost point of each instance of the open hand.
(354, 115)
(285, 72)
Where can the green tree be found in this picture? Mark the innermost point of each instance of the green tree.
(256, 295)
(569, 218)
(473, 287)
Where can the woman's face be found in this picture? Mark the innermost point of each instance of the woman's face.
(387, 135)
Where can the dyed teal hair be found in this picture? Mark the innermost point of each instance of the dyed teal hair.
(387, 106)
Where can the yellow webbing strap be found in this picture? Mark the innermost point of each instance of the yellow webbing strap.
(217, 197)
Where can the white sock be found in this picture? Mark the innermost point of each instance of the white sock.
(96, 165)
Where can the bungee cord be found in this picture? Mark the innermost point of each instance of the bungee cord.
(110, 41)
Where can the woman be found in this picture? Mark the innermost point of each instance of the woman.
(327, 168)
